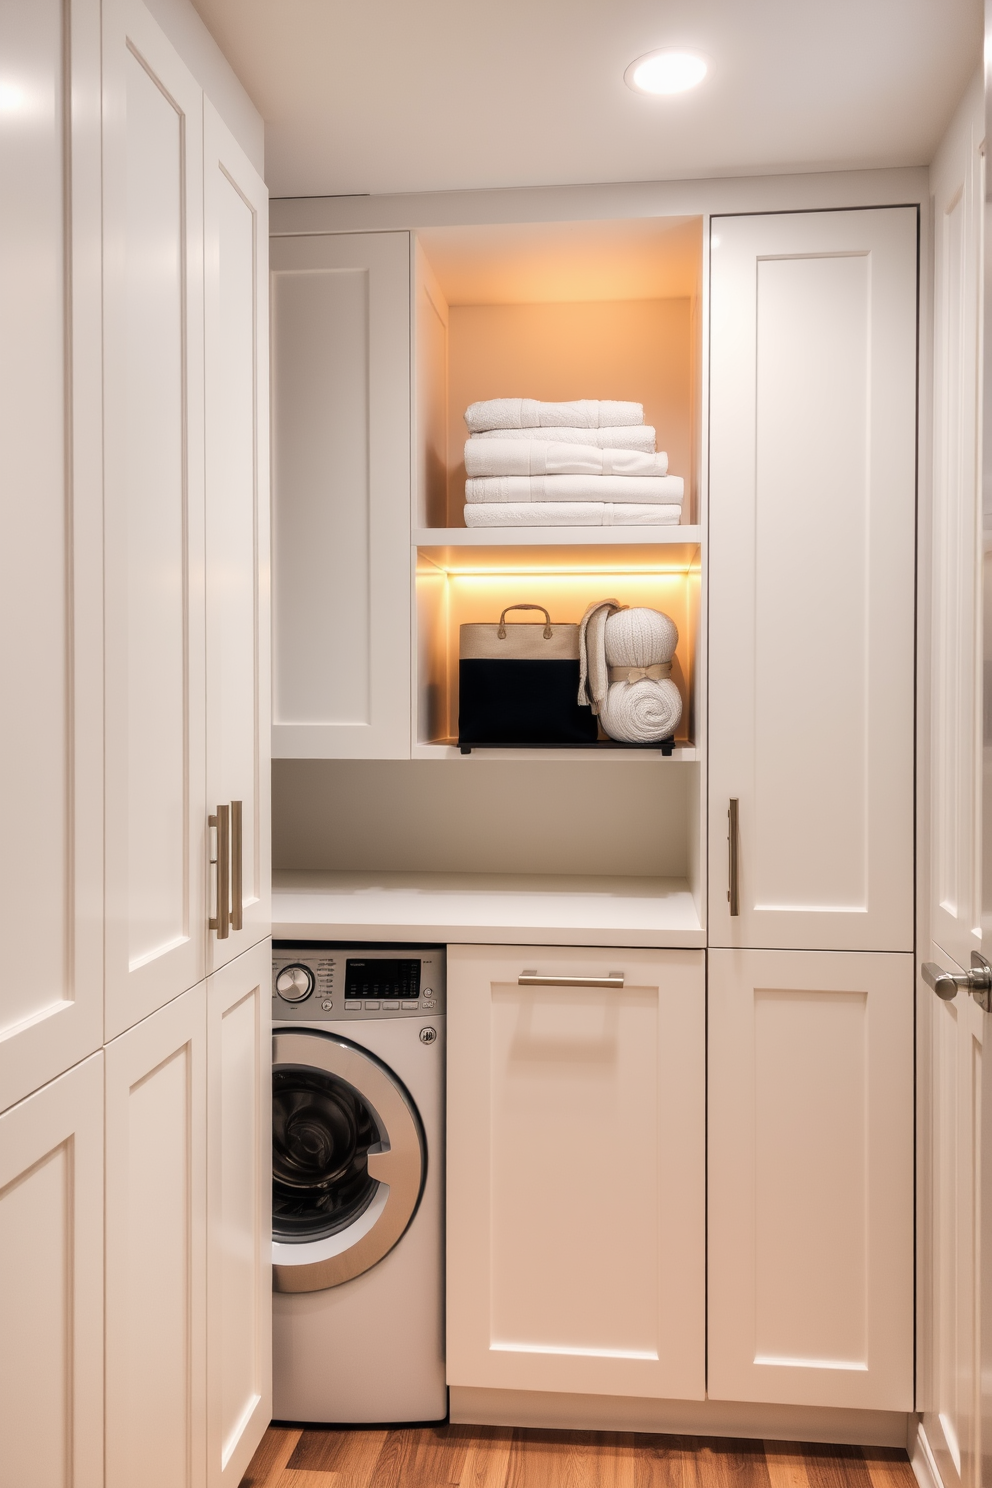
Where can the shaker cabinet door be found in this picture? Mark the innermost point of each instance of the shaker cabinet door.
(575, 1171)
(156, 1248)
(51, 1297)
(239, 1213)
(341, 495)
(811, 1178)
(51, 570)
(156, 818)
(236, 505)
(812, 489)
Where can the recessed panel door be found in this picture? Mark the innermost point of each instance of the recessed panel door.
(812, 488)
(236, 505)
(51, 604)
(341, 464)
(810, 1168)
(51, 1299)
(239, 1214)
(575, 1170)
(156, 818)
(156, 1249)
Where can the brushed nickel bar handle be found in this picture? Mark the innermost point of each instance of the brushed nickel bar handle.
(237, 892)
(734, 892)
(535, 979)
(221, 922)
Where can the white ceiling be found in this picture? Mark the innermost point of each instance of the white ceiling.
(420, 95)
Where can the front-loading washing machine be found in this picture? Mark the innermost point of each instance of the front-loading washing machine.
(358, 1051)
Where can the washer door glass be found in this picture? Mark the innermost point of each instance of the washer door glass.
(321, 1134)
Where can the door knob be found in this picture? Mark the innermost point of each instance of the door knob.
(977, 981)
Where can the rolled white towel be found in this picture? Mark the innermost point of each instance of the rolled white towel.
(631, 436)
(489, 457)
(528, 413)
(571, 514)
(642, 712)
(665, 490)
(640, 709)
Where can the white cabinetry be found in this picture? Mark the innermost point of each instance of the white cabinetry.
(51, 755)
(812, 580)
(811, 1178)
(156, 1248)
(51, 1300)
(342, 462)
(186, 523)
(575, 1163)
(156, 806)
(236, 350)
(239, 1214)
(188, 1224)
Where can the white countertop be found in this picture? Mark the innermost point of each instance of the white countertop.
(484, 909)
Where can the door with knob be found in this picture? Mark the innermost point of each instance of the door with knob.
(954, 982)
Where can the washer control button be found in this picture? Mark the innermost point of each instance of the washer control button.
(427, 1005)
(392, 1006)
(428, 1035)
(411, 1006)
(371, 1007)
(427, 991)
(352, 1007)
(327, 1006)
(295, 983)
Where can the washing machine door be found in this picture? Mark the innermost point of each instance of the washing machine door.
(348, 1160)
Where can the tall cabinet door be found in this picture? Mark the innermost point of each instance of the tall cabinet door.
(239, 1213)
(156, 1249)
(51, 1299)
(812, 582)
(235, 206)
(51, 744)
(156, 820)
(811, 1178)
(575, 1171)
(341, 496)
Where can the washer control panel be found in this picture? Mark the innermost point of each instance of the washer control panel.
(316, 983)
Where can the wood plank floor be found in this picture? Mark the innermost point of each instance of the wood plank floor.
(494, 1457)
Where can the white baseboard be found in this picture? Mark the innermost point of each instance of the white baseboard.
(473, 1407)
(922, 1459)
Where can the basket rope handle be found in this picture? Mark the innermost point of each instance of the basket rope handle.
(501, 633)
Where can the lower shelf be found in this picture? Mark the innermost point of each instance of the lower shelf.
(499, 909)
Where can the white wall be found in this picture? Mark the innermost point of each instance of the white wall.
(481, 816)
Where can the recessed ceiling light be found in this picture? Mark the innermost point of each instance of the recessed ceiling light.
(666, 71)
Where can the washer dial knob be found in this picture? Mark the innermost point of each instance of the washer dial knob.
(295, 983)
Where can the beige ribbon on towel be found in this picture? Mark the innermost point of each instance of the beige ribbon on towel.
(653, 673)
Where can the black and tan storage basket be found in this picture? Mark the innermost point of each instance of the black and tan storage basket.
(519, 683)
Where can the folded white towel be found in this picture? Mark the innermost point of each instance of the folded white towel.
(633, 436)
(534, 457)
(571, 514)
(664, 489)
(528, 413)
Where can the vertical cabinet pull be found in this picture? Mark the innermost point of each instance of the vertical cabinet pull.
(237, 891)
(228, 847)
(734, 892)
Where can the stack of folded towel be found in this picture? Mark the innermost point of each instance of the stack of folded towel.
(584, 464)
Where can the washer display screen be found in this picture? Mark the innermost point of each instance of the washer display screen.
(399, 979)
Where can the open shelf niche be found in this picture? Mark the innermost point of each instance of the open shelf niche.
(554, 311)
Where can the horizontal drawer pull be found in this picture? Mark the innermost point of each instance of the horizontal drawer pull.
(538, 979)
